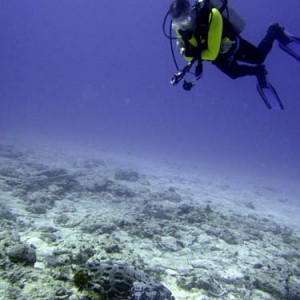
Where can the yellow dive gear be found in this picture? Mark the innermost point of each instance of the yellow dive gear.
(214, 37)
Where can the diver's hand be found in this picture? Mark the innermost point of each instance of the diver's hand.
(226, 45)
(192, 52)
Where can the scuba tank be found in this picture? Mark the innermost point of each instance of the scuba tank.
(229, 14)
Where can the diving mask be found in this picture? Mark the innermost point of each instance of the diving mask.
(181, 23)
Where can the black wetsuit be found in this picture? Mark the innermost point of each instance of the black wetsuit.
(247, 52)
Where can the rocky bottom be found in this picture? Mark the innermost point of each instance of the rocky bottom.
(86, 229)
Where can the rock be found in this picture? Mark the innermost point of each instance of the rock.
(48, 229)
(62, 181)
(6, 214)
(116, 281)
(229, 237)
(113, 249)
(51, 173)
(83, 256)
(270, 285)
(158, 212)
(257, 266)
(184, 209)
(102, 185)
(291, 255)
(101, 228)
(122, 191)
(48, 237)
(9, 152)
(22, 254)
(170, 244)
(53, 261)
(37, 208)
(127, 175)
(106, 185)
(195, 281)
(92, 163)
(144, 291)
(293, 288)
(171, 195)
(250, 205)
(10, 172)
(63, 219)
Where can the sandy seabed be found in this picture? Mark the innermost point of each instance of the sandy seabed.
(107, 227)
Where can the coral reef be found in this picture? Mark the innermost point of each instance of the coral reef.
(119, 282)
(93, 231)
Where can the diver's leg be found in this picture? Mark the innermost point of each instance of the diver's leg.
(286, 41)
(278, 33)
(247, 52)
(275, 32)
(257, 55)
(235, 70)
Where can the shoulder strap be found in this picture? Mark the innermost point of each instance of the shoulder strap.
(203, 11)
(224, 6)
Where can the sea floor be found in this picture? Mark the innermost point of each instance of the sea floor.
(116, 221)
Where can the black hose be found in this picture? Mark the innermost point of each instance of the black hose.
(164, 28)
(172, 48)
(170, 38)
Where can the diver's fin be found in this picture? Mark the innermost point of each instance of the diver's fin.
(292, 47)
(269, 94)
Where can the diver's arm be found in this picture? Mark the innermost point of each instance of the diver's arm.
(181, 46)
(214, 36)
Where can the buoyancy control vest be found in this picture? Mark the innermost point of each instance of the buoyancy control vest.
(234, 24)
(228, 13)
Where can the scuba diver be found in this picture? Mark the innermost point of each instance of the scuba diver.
(210, 31)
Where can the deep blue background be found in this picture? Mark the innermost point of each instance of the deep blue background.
(98, 72)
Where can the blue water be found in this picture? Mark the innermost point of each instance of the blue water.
(98, 72)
